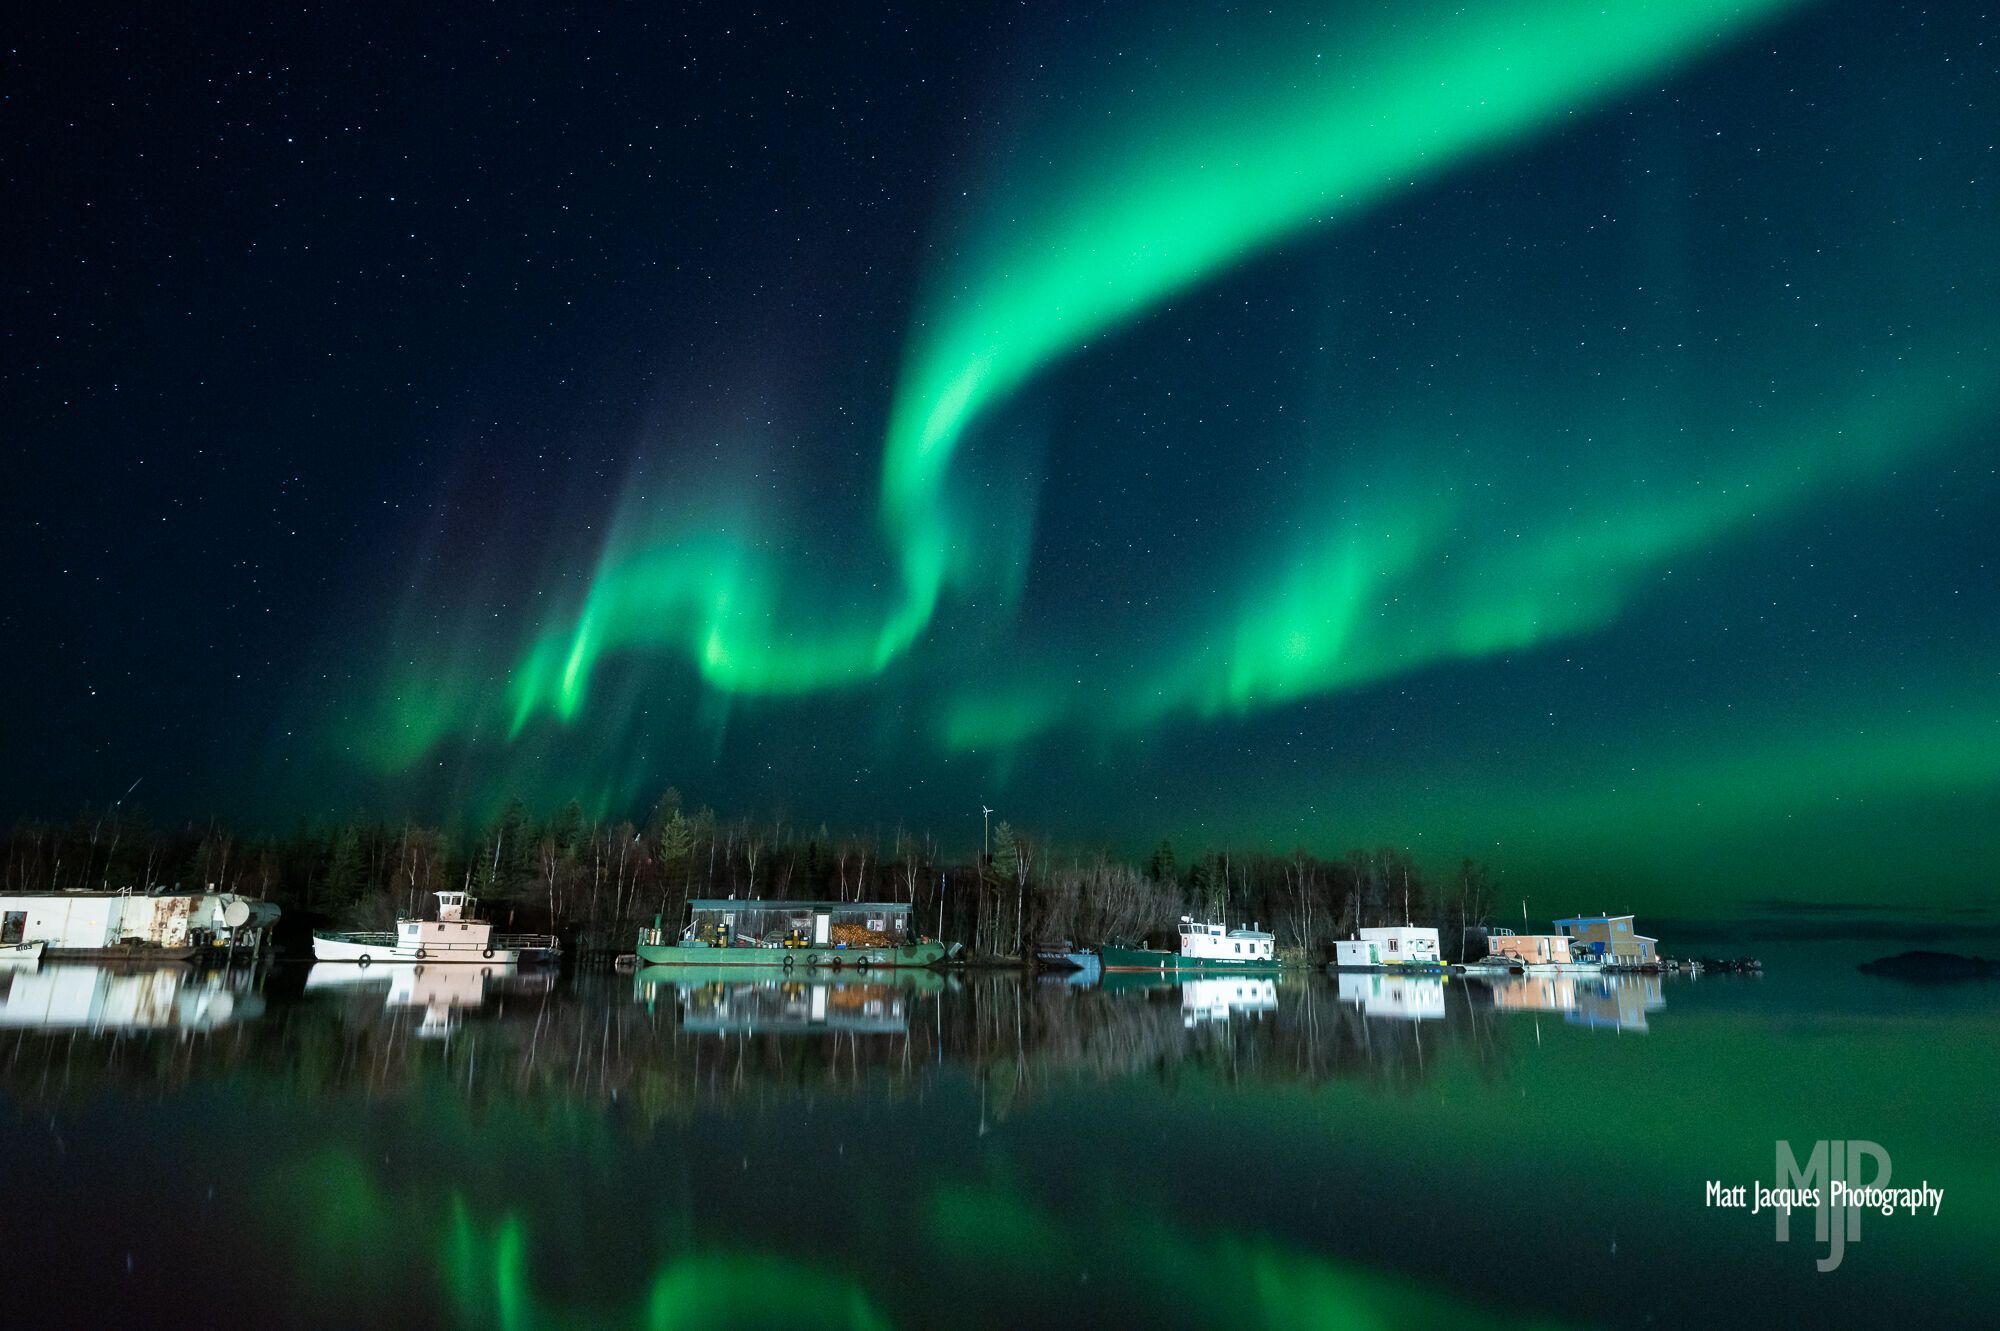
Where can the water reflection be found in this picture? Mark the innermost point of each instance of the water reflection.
(679, 1148)
(1219, 999)
(718, 1000)
(441, 992)
(1614, 1002)
(70, 997)
(1395, 997)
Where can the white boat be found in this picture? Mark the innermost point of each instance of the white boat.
(456, 935)
(1399, 947)
(1494, 965)
(21, 954)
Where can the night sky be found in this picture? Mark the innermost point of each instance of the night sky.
(1556, 432)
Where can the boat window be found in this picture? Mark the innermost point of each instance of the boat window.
(14, 927)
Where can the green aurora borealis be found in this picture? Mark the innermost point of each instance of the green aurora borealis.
(1553, 432)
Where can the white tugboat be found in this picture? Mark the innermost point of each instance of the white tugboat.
(456, 935)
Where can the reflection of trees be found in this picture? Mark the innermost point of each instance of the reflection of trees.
(600, 1038)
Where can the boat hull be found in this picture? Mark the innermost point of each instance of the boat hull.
(1173, 963)
(132, 952)
(367, 951)
(1402, 968)
(21, 954)
(793, 958)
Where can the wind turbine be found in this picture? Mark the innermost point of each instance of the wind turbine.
(986, 837)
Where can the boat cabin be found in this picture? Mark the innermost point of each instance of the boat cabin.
(753, 922)
(1393, 945)
(1529, 949)
(1213, 942)
(1610, 937)
(457, 924)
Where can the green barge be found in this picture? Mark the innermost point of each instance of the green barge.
(793, 935)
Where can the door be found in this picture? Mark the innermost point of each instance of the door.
(822, 929)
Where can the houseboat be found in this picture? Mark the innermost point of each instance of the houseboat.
(1610, 940)
(752, 931)
(457, 935)
(1205, 945)
(134, 926)
(1397, 947)
(1539, 954)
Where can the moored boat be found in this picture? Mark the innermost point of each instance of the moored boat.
(1396, 947)
(752, 931)
(457, 935)
(1492, 965)
(1205, 945)
(129, 925)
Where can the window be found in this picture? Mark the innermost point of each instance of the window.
(1239, 947)
(14, 927)
(1392, 945)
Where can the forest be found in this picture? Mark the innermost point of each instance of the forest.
(595, 882)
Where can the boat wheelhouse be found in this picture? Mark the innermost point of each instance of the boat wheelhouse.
(456, 935)
(1204, 945)
(753, 931)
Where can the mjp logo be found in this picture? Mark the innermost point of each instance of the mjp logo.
(1833, 1175)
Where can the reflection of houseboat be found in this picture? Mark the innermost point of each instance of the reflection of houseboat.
(457, 935)
(134, 926)
(1399, 997)
(1220, 997)
(1536, 993)
(95, 998)
(1394, 947)
(721, 1000)
(1617, 1002)
(1204, 946)
(755, 932)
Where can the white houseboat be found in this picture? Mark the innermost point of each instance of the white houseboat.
(1393, 947)
(456, 935)
(134, 926)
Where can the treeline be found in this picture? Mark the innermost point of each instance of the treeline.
(596, 882)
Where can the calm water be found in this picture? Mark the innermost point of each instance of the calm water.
(332, 1147)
